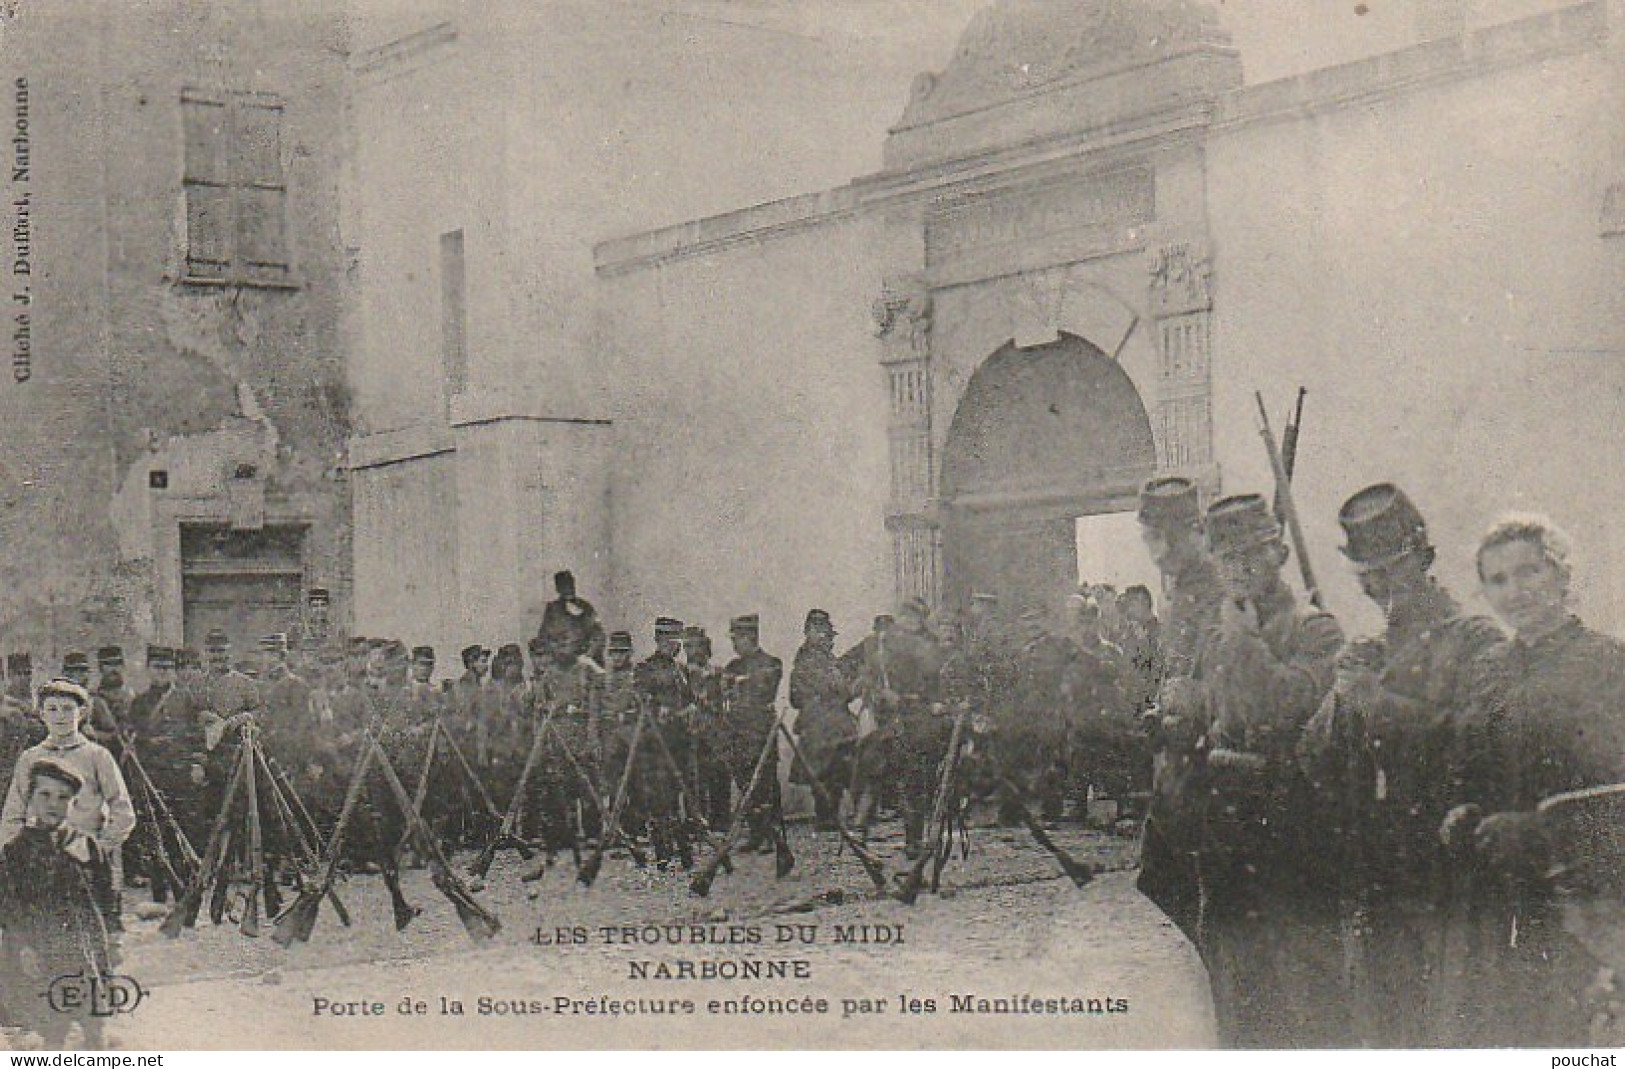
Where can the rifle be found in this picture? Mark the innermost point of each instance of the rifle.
(588, 872)
(1283, 493)
(910, 885)
(701, 883)
(298, 920)
(1289, 437)
(598, 801)
(510, 820)
(477, 921)
(1079, 872)
(184, 914)
(871, 865)
(256, 845)
(296, 832)
(685, 849)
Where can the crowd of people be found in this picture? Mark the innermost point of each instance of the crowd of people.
(1369, 842)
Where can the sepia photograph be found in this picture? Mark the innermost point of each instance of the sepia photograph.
(537, 525)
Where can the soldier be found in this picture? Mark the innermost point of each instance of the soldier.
(1379, 753)
(470, 696)
(662, 792)
(228, 694)
(750, 687)
(820, 693)
(1035, 731)
(1269, 927)
(709, 773)
(318, 629)
(908, 664)
(1139, 637)
(568, 689)
(870, 753)
(618, 703)
(164, 722)
(1549, 719)
(76, 668)
(1105, 752)
(110, 702)
(572, 621)
(1171, 526)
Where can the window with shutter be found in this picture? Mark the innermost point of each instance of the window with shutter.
(235, 190)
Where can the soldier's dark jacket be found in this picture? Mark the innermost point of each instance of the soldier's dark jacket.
(1386, 772)
(819, 692)
(664, 683)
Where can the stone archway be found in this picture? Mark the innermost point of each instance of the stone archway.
(1040, 437)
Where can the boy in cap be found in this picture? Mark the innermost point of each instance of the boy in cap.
(101, 809)
(48, 909)
(1269, 920)
(1379, 753)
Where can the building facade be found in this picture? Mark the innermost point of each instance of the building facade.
(173, 428)
(1086, 243)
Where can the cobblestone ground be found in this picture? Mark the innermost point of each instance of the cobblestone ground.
(1004, 926)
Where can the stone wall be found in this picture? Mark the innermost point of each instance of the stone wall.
(136, 370)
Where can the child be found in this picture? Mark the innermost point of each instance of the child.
(48, 909)
(102, 808)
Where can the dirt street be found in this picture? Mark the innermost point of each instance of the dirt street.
(1058, 967)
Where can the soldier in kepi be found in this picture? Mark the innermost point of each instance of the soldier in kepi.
(1549, 719)
(909, 709)
(821, 693)
(1171, 527)
(1269, 925)
(1379, 757)
(751, 693)
(710, 776)
(165, 723)
(660, 789)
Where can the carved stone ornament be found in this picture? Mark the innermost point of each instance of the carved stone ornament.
(903, 315)
(1181, 280)
(1015, 47)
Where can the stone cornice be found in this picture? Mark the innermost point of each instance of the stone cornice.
(1575, 29)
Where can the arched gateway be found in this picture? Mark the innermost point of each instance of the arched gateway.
(1040, 437)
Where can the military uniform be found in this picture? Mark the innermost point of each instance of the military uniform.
(750, 684)
(1171, 837)
(825, 728)
(660, 789)
(1379, 757)
(1269, 923)
(710, 772)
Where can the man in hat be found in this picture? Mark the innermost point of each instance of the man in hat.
(1379, 755)
(1033, 734)
(821, 693)
(664, 687)
(1269, 921)
(471, 710)
(1170, 519)
(571, 620)
(227, 693)
(1105, 750)
(709, 772)
(164, 721)
(909, 716)
(750, 687)
(318, 625)
(110, 701)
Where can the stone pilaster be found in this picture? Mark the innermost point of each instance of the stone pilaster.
(1181, 306)
(903, 323)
